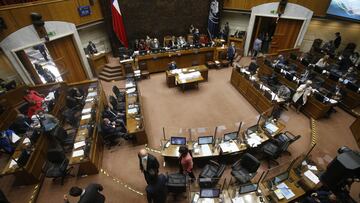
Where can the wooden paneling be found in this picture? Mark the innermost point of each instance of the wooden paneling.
(286, 33)
(319, 7)
(18, 16)
(67, 59)
(355, 129)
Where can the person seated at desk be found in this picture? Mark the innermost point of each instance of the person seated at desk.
(35, 100)
(154, 44)
(279, 61)
(74, 99)
(181, 41)
(301, 95)
(45, 121)
(186, 162)
(5, 141)
(142, 45)
(320, 196)
(231, 52)
(196, 36)
(284, 92)
(156, 190)
(113, 115)
(350, 75)
(336, 92)
(354, 58)
(172, 65)
(113, 131)
(323, 62)
(253, 67)
(91, 194)
(329, 47)
(21, 124)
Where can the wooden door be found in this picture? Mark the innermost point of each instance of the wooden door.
(67, 59)
(286, 33)
(24, 59)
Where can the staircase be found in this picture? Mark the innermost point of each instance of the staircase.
(112, 72)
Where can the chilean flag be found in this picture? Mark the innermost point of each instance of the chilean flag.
(118, 24)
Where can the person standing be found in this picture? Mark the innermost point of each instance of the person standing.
(91, 194)
(301, 94)
(147, 162)
(226, 31)
(156, 191)
(337, 40)
(266, 42)
(231, 52)
(186, 162)
(256, 47)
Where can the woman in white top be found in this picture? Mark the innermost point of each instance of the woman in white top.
(323, 62)
(301, 95)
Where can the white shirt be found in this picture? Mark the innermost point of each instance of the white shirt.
(144, 162)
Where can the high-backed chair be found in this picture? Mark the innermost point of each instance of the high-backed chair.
(274, 148)
(224, 62)
(245, 169)
(167, 40)
(117, 106)
(119, 95)
(57, 166)
(209, 61)
(144, 70)
(213, 171)
(176, 183)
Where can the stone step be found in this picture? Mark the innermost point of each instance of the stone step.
(112, 74)
(109, 79)
(113, 65)
(112, 70)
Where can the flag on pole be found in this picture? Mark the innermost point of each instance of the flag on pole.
(213, 22)
(117, 22)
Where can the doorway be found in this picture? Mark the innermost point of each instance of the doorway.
(276, 34)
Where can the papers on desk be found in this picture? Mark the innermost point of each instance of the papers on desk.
(92, 94)
(207, 200)
(237, 200)
(312, 177)
(12, 163)
(176, 71)
(86, 116)
(86, 111)
(129, 85)
(183, 77)
(78, 153)
(79, 144)
(14, 138)
(26, 141)
(205, 149)
(89, 100)
(254, 140)
(132, 111)
(131, 90)
(285, 190)
(229, 147)
(50, 96)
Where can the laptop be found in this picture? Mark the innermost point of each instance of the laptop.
(205, 140)
(209, 193)
(247, 188)
(230, 136)
(178, 140)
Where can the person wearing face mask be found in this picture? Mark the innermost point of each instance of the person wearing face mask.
(301, 95)
(44, 120)
(147, 163)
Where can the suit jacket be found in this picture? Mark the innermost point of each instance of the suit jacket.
(157, 192)
(92, 194)
(152, 163)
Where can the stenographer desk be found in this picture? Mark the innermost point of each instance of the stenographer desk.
(159, 62)
(88, 156)
(171, 75)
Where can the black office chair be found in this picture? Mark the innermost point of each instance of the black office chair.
(209, 61)
(176, 183)
(70, 116)
(224, 62)
(212, 171)
(57, 165)
(119, 95)
(65, 140)
(274, 148)
(245, 169)
(117, 106)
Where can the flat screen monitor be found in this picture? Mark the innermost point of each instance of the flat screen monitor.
(289, 76)
(205, 140)
(178, 140)
(209, 193)
(349, 9)
(319, 97)
(230, 136)
(251, 187)
(268, 95)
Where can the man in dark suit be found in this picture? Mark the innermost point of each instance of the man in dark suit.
(231, 52)
(337, 40)
(147, 162)
(156, 191)
(172, 65)
(91, 194)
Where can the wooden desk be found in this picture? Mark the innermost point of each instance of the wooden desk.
(355, 129)
(97, 62)
(31, 173)
(90, 162)
(184, 84)
(173, 150)
(246, 88)
(239, 42)
(183, 58)
(170, 76)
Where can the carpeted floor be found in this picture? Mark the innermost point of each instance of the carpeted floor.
(215, 103)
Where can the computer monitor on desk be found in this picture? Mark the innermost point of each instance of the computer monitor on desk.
(205, 140)
(250, 187)
(230, 136)
(178, 140)
(282, 175)
(209, 193)
(269, 96)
